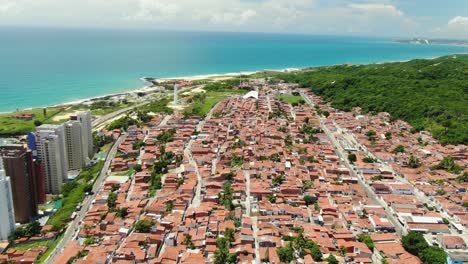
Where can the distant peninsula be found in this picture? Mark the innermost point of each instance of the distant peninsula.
(425, 41)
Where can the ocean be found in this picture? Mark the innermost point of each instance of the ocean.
(43, 67)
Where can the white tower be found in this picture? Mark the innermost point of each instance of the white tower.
(176, 90)
(7, 224)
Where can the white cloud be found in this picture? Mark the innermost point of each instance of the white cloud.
(293, 16)
(154, 10)
(7, 6)
(377, 9)
(458, 21)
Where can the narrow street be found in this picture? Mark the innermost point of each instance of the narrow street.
(73, 226)
(342, 154)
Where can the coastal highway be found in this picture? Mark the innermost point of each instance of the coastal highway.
(102, 119)
(72, 229)
(98, 121)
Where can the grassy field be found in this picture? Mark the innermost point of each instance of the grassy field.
(202, 107)
(33, 245)
(290, 98)
(11, 126)
(55, 115)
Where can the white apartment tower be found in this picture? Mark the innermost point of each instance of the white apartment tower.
(7, 212)
(74, 145)
(51, 149)
(84, 118)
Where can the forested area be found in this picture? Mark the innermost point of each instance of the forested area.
(429, 94)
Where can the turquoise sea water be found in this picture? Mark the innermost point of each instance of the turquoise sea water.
(40, 67)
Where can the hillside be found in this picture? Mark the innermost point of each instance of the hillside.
(430, 94)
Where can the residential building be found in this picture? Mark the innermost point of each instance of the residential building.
(19, 166)
(7, 225)
(86, 132)
(51, 150)
(74, 145)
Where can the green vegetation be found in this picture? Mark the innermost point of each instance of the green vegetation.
(222, 255)
(158, 106)
(26, 246)
(415, 244)
(371, 136)
(89, 241)
(11, 126)
(309, 199)
(49, 251)
(300, 245)
(368, 159)
(188, 241)
(448, 164)
(399, 149)
(332, 260)
(144, 226)
(79, 255)
(429, 94)
(236, 161)
(462, 178)
(111, 200)
(366, 239)
(286, 253)
(122, 123)
(414, 162)
(352, 158)
(202, 103)
(292, 99)
(30, 230)
(227, 196)
(73, 193)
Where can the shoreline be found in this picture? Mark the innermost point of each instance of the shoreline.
(150, 87)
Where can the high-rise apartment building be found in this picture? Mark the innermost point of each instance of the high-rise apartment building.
(19, 166)
(51, 150)
(7, 212)
(86, 132)
(74, 145)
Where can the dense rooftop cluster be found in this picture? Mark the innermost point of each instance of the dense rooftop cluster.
(276, 176)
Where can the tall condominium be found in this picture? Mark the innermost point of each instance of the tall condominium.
(74, 145)
(20, 167)
(86, 132)
(51, 150)
(7, 212)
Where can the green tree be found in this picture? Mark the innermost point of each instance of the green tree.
(448, 164)
(366, 239)
(111, 200)
(144, 226)
(433, 255)
(122, 212)
(388, 135)
(413, 162)
(332, 260)
(286, 254)
(222, 255)
(309, 199)
(414, 243)
(399, 149)
(352, 158)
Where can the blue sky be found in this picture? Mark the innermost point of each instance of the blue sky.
(404, 18)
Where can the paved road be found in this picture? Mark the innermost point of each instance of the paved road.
(73, 227)
(100, 120)
(342, 154)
